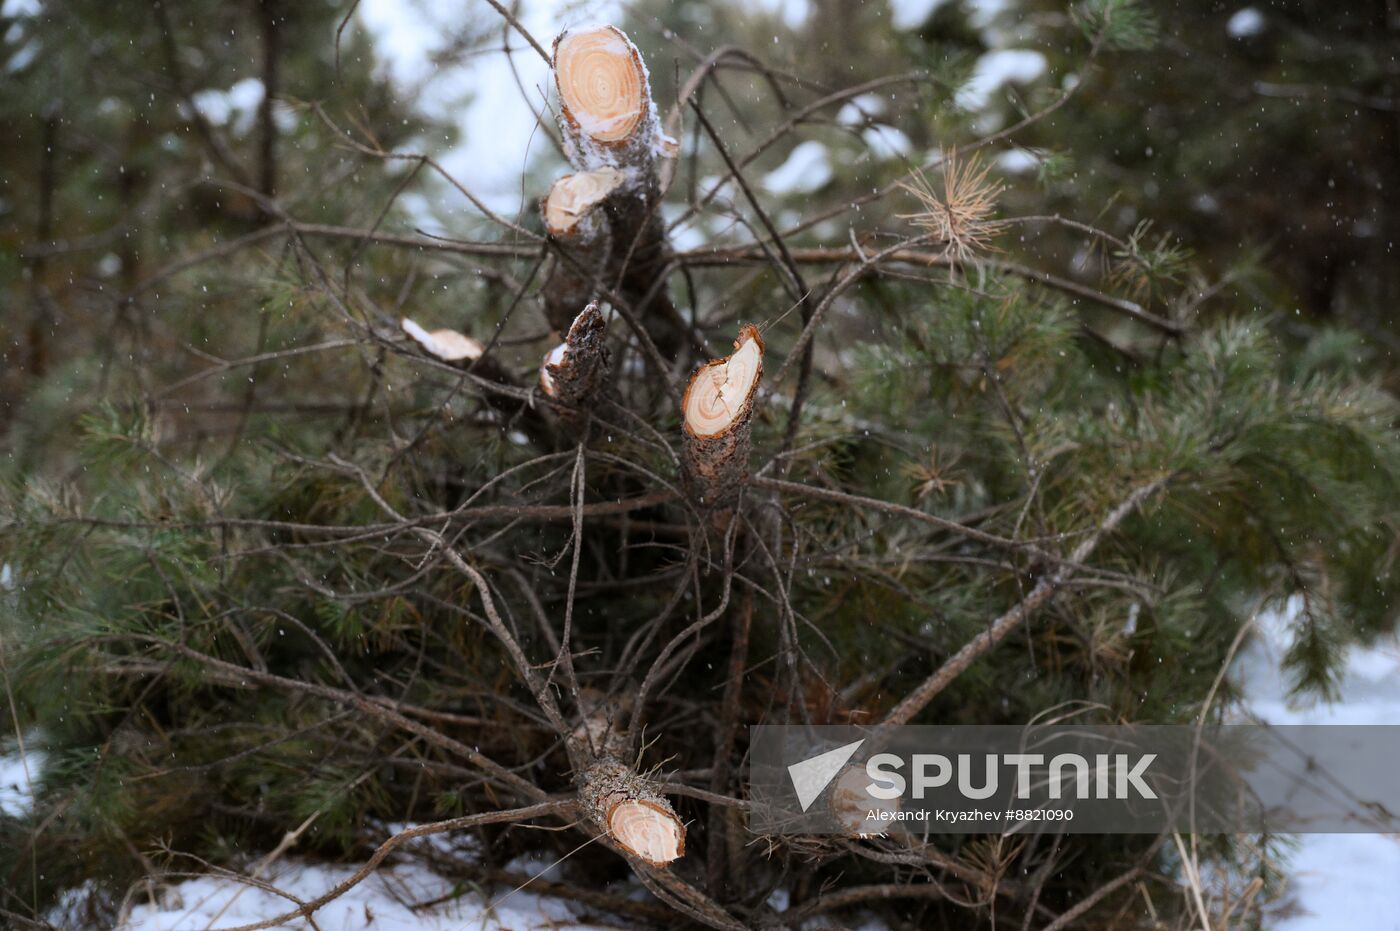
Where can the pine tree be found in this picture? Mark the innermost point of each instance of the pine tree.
(330, 549)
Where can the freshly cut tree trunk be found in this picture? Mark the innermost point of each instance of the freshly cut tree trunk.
(621, 802)
(716, 414)
(606, 113)
(579, 227)
(573, 372)
(609, 120)
(627, 806)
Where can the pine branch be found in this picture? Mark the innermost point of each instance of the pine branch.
(998, 630)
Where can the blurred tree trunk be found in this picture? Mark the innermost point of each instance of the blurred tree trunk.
(269, 12)
(41, 311)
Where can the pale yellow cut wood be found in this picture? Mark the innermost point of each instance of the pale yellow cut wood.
(852, 805)
(572, 197)
(719, 392)
(647, 831)
(447, 345)
(602, 82)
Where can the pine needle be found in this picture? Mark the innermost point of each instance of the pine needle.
(961, 216)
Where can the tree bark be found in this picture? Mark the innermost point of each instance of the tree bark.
(41, 313)
(622, 803)
(578, 226)
(574, 372)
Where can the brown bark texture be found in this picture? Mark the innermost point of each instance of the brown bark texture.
(579, 229)
(574, 372)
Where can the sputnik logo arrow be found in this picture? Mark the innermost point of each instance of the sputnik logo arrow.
(813, 775)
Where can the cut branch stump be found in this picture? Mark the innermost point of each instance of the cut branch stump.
(717, 413)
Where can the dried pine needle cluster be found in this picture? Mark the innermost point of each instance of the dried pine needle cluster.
(961, 217)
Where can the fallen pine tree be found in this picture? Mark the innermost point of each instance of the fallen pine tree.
(549, 553)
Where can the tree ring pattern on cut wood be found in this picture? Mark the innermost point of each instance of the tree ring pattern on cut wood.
(720, 393)
(716, 412)
(602, 83)
(627, 806)
(648, 831)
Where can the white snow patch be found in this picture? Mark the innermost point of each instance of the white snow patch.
(23, 58)
(19, 772)
(859, 110)
(1369, 690)
(247, 94)
(14, 8)
(1376, 667)
(7, 577)
(1337, 878)
(808, 168)
(238, 104)
(383, 901)
(213, 105)
(886, 142)
(1333, 877)
(1245, 23)
(996, 69)
(911, 14)
(1018, 161)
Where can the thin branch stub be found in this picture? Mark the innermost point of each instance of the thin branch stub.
(573, 372)
(447, 345)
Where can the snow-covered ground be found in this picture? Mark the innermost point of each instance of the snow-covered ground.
(1337, 880)
(391, 900)
(17, 772)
